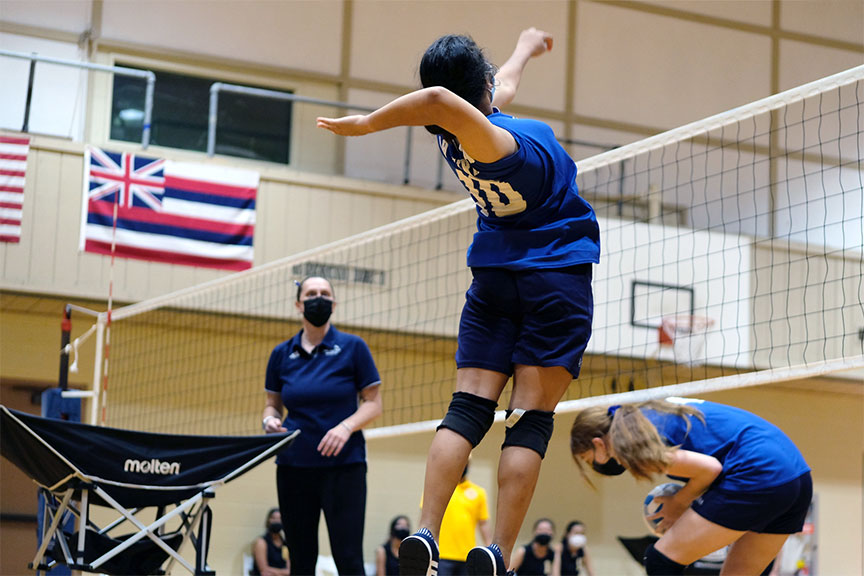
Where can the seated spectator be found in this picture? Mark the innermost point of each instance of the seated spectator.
(269, 551)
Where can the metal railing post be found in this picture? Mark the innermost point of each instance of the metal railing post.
(406, 175)
(217, 87)
(148, 109)
(97, 370)
(211, 118)
(30, 79)
(65, 337)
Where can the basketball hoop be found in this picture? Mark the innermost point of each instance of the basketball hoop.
(685, 334)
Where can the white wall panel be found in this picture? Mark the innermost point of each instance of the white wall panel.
(311, 147)
(59, 92)
(716, 266)
(427, 163)
(403, 31)
(756, 12)
(838, 19)
(13, 96)
(379, 156)
(298, 34)
(603, 138)
(662, 71)
(65, 15)
(817, 205)
(801, 63)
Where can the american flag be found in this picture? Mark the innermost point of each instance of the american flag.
(165, 211)
(13, 165)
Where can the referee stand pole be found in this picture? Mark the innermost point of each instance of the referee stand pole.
(56, 405)
(65, 331)
(69, 346)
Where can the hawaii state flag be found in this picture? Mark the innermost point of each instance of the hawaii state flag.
(13, 165)
(165, 211)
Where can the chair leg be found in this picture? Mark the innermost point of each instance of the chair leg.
(202, 546)
(148, 531)
(82, 525)
(49, 534)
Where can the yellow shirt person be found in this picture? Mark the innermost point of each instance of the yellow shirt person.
(466, 512)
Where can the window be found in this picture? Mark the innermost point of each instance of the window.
(247, 126)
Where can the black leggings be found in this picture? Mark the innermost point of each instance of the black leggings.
(340, 491)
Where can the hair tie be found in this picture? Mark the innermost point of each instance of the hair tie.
(612, 409)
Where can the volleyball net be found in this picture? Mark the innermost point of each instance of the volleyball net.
(732, 255)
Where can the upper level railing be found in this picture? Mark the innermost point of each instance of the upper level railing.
(147, 75)
(215, 89)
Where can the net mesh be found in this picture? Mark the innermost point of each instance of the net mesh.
(751, 219)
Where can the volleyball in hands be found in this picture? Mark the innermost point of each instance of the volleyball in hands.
(651, 507)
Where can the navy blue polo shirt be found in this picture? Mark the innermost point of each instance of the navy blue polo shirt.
(319, 390)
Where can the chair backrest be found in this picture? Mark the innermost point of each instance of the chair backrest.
(326, 566)
(248, 564)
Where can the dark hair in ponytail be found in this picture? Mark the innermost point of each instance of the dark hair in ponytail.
(457, 63)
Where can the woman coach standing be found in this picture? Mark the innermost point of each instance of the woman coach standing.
(329, 385)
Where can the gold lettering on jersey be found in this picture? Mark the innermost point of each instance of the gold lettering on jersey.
(493, 197)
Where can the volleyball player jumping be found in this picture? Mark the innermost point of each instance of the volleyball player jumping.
(529, 308)
(746, 482)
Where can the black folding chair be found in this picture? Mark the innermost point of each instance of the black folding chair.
(77, 465)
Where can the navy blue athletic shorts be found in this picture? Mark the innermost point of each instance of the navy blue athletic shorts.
(778, 510)
(531, 317)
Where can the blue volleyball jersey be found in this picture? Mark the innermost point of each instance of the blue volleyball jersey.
(755, 454)
(530, 214)
(319, 390)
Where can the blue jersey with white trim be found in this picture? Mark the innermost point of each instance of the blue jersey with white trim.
(530, 214)
(755, 454)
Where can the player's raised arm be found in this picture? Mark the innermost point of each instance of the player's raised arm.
(436, 106)
(531, 43)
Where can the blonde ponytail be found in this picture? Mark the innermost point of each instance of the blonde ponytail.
(634, 439)
(636, 442)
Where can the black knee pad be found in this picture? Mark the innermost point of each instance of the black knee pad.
(469, 416)
(529, 429)
(658, 564)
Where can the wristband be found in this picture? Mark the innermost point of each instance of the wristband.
(347, 427)
(264, 422)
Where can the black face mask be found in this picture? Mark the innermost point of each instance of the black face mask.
(317, 310)
(400, 533)
(274, 527)
(543, 539)
(609, 468)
